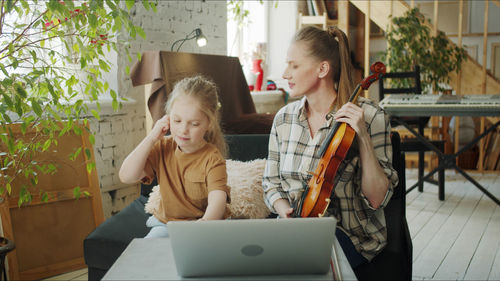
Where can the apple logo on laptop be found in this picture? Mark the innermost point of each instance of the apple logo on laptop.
(252, 250)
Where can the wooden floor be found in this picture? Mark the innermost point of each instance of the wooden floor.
(80, 274)
(458, 238)
(455, 239)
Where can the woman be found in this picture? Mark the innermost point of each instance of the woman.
(319, 68)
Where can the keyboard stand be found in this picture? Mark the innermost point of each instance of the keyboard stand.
(448, 161)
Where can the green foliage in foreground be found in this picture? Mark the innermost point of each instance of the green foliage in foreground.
(52, 59)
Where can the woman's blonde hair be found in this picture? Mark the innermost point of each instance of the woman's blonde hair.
(205, 91)
(331, 46)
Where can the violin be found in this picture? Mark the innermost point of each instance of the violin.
(316, 199)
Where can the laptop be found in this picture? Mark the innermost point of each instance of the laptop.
(252, 247)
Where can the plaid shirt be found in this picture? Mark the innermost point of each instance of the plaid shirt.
(293, 154)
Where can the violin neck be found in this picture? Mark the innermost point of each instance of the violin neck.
(329, 137)
(355, 94)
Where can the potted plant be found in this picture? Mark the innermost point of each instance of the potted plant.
(52, 58)
(410, 42)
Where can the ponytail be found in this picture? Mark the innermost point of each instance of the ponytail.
(345, 81)
(332, 46)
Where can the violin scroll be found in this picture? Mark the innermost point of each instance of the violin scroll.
(378, 69)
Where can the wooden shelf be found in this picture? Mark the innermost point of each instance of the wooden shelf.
(322, 21)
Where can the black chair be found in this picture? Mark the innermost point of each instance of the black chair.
(6, 246)
(412, 144)
(395, 260)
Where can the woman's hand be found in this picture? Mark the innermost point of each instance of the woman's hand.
(287, 213)
(374, 182)
(283, 208)
(353, 115)
(160, 128)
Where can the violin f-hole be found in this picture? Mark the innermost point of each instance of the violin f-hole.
(317, 176)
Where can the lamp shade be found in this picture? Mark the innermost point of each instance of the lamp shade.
(201, 40)
(197, 34)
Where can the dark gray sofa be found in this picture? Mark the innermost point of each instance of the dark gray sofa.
(106, 243)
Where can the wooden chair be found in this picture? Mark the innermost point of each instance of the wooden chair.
(413, 145)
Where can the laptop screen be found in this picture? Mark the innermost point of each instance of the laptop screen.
(252, 247)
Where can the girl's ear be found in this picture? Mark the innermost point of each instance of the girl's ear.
(324, 68)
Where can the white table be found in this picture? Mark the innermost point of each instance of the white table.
(152, 259)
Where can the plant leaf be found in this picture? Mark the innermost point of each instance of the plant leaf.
(76, 192)
(36, 107)
(130, 4)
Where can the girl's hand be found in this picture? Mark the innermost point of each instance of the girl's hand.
(353, 115)
(216, 205)
(160, 128)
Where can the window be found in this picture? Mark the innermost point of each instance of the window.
(244, 38)
(495, 59)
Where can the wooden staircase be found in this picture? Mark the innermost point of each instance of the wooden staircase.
(470, 82)
(473, 79)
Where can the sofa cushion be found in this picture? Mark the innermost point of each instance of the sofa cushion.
(247, 195)
(147, 188)
(253, 123)
(247, 147)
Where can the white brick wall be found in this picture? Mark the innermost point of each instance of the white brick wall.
(118, 133)
(114, 139)
(173, 21)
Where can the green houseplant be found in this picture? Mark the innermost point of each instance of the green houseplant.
(410, 42)
(52, 57)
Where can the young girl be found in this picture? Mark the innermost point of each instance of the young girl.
(189, 164)
(319, 69)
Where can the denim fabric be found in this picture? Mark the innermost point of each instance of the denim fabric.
(158, 229)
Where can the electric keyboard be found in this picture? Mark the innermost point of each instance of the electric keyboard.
(441, 105)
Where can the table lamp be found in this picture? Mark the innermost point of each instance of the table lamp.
(201, 40)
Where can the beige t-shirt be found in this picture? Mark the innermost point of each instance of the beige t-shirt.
(185, 179)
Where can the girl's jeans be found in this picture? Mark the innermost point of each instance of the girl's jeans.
(158, 229)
